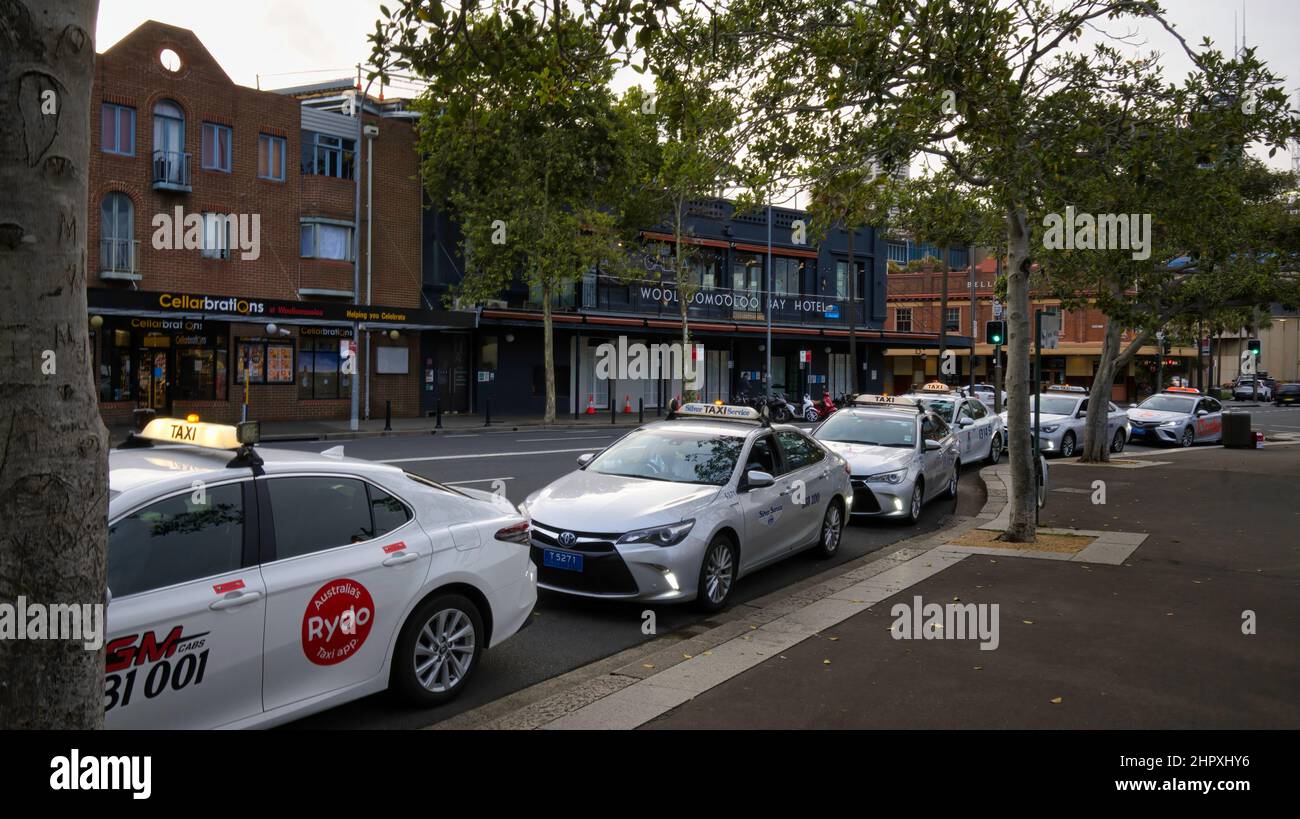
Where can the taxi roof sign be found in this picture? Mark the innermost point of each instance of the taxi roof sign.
(935, 386)
(887, 401)
(1187, 390)
(1065, 388)
(201, 434)
(723, 412)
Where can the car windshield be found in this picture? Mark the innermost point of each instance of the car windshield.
(1168, 403)
(941, 407)
(878, 430)
(1288, 388)
(675, 455)
(1056, 405)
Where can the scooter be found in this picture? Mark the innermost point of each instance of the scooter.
(816, 411)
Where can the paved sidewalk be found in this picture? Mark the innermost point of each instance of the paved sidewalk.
(1155, 642)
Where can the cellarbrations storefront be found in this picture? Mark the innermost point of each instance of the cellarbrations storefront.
(225, 358)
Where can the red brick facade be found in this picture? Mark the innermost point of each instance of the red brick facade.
(131, 74)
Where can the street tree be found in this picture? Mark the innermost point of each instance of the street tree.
(53, 448)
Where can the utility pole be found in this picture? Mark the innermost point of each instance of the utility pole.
(767, 376)
(974, 323)
(943, 322)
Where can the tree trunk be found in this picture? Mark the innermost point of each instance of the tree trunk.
(1096, 443)
(1024, 489)
(53, 445)
(548, 355)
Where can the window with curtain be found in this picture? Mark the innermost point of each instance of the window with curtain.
(216, 147)
(326, 241)
(117, 129)
(169, 142)
(270, 157)
(216, 236)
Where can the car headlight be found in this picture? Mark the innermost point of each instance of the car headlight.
(669, 535)
(896, 476)
(1050, 428)
(1170, 424)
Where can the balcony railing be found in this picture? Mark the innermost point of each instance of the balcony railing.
(117, 259)
(171, 171)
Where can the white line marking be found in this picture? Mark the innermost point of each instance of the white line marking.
(471, 435)
(483, 455)
(587, 438)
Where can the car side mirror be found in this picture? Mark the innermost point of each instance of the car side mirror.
(757, 479)
(108, 597)
(965, 422)
(931, 446)
(585, 458)
(1201, 412)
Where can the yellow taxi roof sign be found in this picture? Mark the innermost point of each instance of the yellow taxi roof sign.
(936, 386)
(195, 433)
(895, 401)
(1190, 390)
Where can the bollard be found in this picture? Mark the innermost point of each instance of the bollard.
(640, 410)
(437, 411)
(388, 416)
(613, 411)
(487, 413)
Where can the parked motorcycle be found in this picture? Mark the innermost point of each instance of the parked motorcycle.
(814, 411)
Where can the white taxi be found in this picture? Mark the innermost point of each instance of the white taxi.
(980, 433)
(251, 586)
(1177, 415)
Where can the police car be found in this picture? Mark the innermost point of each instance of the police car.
(980, 433)
(681, 509)
(1177, 415)
(251, 586)
(1063, 417)
(901, 455)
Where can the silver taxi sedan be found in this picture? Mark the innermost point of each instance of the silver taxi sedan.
(980, 433)
(1178, 415)
(681, 509)
(900, 454)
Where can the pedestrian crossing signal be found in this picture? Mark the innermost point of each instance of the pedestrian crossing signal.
(995, 332)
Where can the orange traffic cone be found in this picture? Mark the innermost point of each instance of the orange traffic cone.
(627, 405)
(591, 404)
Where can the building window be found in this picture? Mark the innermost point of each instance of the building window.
(958, 258)
(264, 362)
(169, 143)
(216, 235)
(116, 234)
(216, 147)
(320, 373)
(786, 275)
(117, 129)
(270, 157)
(842, 290)
(325, 155)
(903, 319)
(323, 240)
(897, 251)
(115, 381)
(952, 320)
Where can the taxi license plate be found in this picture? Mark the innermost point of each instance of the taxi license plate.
(568, 561)
(1139, 431)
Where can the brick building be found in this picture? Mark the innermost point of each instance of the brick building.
(915, 297)
(223, 233)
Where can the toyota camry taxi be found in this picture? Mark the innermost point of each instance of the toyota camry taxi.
(900, 454)
(980, 433)
(1177, 415)
(1063, 417)
(681, 509)
(251, 586)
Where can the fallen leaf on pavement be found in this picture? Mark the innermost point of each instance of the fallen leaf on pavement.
(1056, 700)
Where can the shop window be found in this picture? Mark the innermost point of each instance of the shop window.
(266, 362)
(201, 374)
(319, 370)
(115, 381)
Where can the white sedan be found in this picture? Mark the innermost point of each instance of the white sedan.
(252, 586)
(981, 434)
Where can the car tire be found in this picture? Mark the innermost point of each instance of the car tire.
(832, 531)
(720, 564)
(431, 631)
(1067, 445)
(1187, 438)
(951, 491)
(918, 501)
(995, 450)
(1117, 443)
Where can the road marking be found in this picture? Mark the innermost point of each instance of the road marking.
(482, 455)
(471, 435)
(477, 480)
(587, 438)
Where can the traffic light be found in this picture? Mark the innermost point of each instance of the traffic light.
(1253, 346)
(995, 332)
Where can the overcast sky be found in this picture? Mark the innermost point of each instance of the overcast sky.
(294, 42)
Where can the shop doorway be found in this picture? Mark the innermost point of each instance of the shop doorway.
(153, 374)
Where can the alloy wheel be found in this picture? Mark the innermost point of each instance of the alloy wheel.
(719, 572)
(444, 650)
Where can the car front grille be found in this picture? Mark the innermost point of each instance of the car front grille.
(587, 542)
(864, 500)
